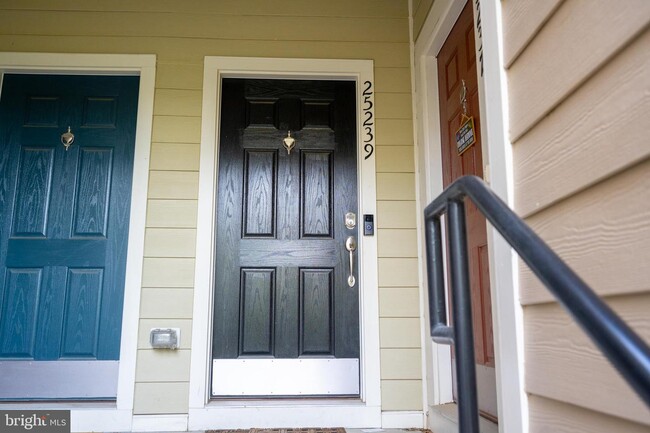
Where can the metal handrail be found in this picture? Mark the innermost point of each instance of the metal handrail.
(624, 348)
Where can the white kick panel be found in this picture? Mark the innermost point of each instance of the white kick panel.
(285, 377)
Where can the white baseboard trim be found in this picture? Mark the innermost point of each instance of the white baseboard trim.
(294, 416)
(159, 423)
(444, 419)
(402, 419)
(88, 420)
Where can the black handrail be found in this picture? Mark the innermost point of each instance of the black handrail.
(624, 349)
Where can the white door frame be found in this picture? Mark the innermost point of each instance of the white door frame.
(497, 157)
(204, 414)
(102, 416)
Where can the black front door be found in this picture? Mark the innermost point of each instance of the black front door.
(286, 312)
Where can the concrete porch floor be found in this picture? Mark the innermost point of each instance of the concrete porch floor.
(451, 426)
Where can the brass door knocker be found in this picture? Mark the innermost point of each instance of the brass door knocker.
(289, 142)
(67, 138)
(463, 98)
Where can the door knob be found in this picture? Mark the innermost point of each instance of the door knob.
(351, 246)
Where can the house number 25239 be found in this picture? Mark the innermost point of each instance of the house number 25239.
(368, 123)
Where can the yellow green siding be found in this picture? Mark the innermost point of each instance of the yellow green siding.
(420, 12)
(180, 34)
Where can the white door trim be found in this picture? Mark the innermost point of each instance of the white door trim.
(497, 155)
(118, 416)
(204, 414)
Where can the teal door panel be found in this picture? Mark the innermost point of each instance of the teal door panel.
(64, 214)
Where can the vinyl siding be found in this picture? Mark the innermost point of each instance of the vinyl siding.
(181, 34)
(410, 392)
(166, 303)
(579, 92)
(171, 213)
(399, 364)
(551, 416)
(174, 156)
(161, 397)
(420, 11)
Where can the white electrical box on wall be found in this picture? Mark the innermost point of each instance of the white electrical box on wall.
(165, 338)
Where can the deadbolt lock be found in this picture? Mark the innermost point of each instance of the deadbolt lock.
(350, 220)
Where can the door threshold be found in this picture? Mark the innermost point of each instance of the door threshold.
(444, 419)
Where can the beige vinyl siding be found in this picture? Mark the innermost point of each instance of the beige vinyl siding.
(174, 156)
(172, 213)
(401, 365)
(181, 34)
(409, 390)
(396, 214)
(560, 356)
(557, 60)
(399, 302)
(420, 10)
(169, 242)
(398, 132)
(165, 184)
(395, 186)
(167, 303)
(395, 159)
(579, 95)
(161, 397)
(603, 115)
(603, 232)
(316, 8)
(551, 416)
(524, 19)
(163, 366)
(399, 323)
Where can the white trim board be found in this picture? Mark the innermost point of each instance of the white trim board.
(298, 413)
(295, 414)
(444, 419)
(402, 419)
(159, 423)
(507, 314)
(86, 417)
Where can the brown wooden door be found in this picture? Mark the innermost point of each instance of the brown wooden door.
(283, 306)
(457, 75)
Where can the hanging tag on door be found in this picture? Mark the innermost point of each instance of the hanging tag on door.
(465, 135)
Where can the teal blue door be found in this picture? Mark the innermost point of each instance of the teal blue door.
(64, 217)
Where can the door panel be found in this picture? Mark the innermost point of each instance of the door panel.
(457, 74)
(93, 192)
(33, 192)
(317, 194)
(19, 312)
(316, 319)
(64, 230)
(256, 316)
(281, 288)
(81, 313)
(259, 189)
